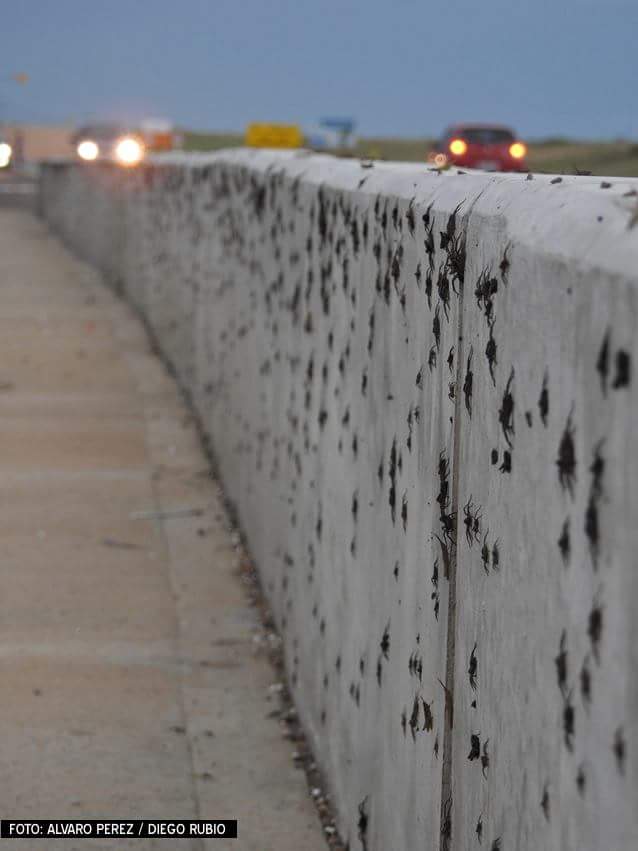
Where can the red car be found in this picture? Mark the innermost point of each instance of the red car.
(489, 147)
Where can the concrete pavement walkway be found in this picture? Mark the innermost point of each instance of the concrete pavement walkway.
(130, 687)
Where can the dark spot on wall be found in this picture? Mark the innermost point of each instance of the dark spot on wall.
(564, 543)
(428, 288)
(473, 668)
(475, 747)
(620, 750)
(362, 824)
(545, 802)
(436, 329)
(566, 461)
(581, 780)
(602, 363)
(595, 629)
(504, 265)
(428, 718)
(392, 473)
(490, 353)
(468, 383)
(485, 759)
(496, 556)
(561, 663)
(623, 370)
(506, 411)
(414, 718)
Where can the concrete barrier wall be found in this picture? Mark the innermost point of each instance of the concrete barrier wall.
(420, 390)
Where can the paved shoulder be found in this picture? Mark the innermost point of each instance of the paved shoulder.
(131, 687)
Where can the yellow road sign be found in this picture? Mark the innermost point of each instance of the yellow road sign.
(274, 136)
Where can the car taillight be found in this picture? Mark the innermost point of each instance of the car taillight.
(518, 150)
(458, 147)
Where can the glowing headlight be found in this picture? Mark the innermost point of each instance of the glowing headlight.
(518, 150)
(5, 154)
(129, 151)
(88, 150)
(458, 147)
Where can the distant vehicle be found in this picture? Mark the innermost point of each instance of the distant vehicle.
(110, 142)
(6, 154)
(489, 147)
(158, 134)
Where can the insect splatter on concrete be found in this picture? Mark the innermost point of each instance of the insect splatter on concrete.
(581, 780)
(566, 461)
(543, 401)
(564, 543)
(448, 234)
(504, 265)
(467, 384)
(436, 328)
(385, 642)
(622, 377)
(506, 412)
(620, 750)
(569, 721)
(471, 521)
(496, 555)
(485, 554)
(595, 628)
(602, 362)
(473, 668)
(561, 663)
(362, 824)
(490, 353)
(475, 747)
(428, 718)
(414, 718)
(585, 682)
(545, 802)
(485, 759)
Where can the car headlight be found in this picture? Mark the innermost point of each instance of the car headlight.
(518, 150)
(5, 154)
(129, 151)
(458, 147)
(88, 150)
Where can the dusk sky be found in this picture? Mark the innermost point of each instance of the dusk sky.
(399, 67)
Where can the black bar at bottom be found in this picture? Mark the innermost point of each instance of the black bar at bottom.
(137, 829)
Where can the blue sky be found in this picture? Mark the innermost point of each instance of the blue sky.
(400, 67)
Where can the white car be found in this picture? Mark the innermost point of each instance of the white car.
(109, 142)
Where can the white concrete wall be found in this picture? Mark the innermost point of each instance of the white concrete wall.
(324, 316)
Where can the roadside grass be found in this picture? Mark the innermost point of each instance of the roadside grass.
(555, 156)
